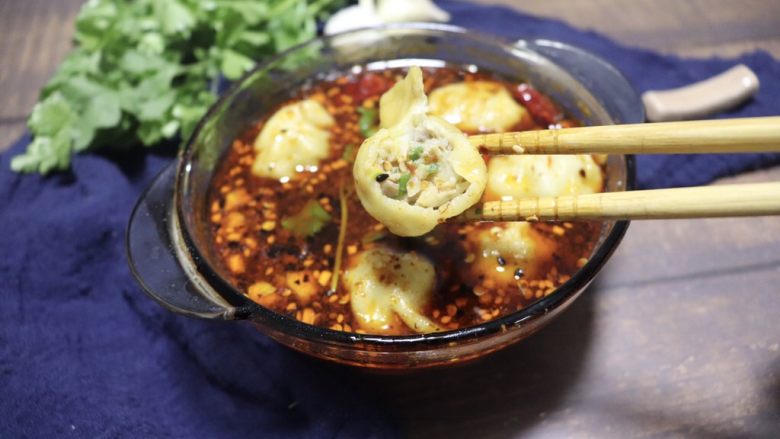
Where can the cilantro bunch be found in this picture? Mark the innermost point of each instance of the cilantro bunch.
(146, 70)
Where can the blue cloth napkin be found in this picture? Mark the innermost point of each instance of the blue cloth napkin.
(84, 353)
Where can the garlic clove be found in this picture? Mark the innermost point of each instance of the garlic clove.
(353, 17)
(410, 10)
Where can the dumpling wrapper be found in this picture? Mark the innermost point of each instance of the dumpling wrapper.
(385, 285)
(477, 106)
(516, 176)
(297, 134)
(519, 246)
(445, 173)
(404, 101)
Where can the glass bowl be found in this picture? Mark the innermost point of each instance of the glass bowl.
(168, 241)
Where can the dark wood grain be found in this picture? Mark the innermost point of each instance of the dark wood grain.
(36, 36)
(678, 337)
(691, 27)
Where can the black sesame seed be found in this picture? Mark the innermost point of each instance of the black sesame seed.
(501, 261)
(519, 273)
(381, 177)
(274, 250)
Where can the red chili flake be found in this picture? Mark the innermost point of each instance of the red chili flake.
(370, 84)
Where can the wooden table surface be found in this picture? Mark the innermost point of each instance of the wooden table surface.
(678, 337)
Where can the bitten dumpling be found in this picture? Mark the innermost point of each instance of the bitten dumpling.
(417, 170)
(510, 177)
(386, 286)
(477, 106)
(296, 135)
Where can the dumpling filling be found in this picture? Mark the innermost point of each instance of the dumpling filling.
(424, 177)
(418, 169)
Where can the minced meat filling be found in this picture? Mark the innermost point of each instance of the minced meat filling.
(424, 177)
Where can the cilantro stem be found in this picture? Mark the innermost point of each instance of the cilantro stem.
(402, 182)
(367, 121)
(334, 283)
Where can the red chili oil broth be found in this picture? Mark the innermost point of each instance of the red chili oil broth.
(253, 247)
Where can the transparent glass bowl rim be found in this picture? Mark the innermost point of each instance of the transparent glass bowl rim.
(252, 311)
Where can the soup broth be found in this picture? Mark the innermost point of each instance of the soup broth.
(287, 242)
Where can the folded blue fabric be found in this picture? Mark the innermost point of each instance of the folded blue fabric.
(83, 353)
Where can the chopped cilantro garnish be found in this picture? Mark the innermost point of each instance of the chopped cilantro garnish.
(367, 121)
(349, 153)
(310, 220)
(415, 153)
(402, 182)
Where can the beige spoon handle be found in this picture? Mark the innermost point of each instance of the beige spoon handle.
(757, 134)
(718, 93)
(695, 202)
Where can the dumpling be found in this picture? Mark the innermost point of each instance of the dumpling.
(517, 244)
(417, 170)
(296, 135)
(477, 106)
(510, 177)
(386, 286)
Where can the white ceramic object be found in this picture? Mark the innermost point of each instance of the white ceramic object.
(393, 11)
(353, 17)
(721, 92)
(368, 13)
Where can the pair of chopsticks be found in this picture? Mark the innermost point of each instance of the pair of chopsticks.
(761, 134)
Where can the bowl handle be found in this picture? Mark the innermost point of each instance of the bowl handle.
(163, 270)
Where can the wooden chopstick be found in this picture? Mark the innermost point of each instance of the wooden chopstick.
(695, 202)
(755, 134)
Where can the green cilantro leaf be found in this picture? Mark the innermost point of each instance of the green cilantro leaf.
(174, 16)
(144, 70)
(234, 64)
(350, 152)
(51, 116)
(367, 121)
(310, 220)
(415, 153)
